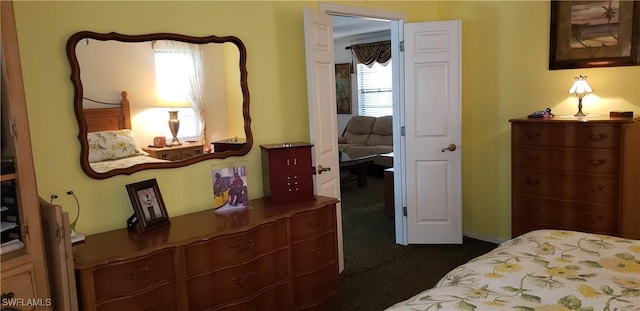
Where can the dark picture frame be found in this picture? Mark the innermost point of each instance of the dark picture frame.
(148, 205)
(343, 88)
(588, 34)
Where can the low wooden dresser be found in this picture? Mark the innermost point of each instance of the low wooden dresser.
(268, 257)
(576, 173)
(175, 153)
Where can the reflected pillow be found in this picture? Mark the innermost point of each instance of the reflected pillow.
(111, 145)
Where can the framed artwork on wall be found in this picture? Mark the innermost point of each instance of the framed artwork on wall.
(586, 34)
(343, 88)
(148, 206)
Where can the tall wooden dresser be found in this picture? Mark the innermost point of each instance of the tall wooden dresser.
(577, 174)
(267, 257)
(24, 281)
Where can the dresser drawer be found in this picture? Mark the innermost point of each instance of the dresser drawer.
(125, 278)
(582, 188)
(567, 135)
(162, 298)
(567, 215)
(311, 224)
(588, 161)
(238, 282)
(314, 288)
(274, 299)
(313, 253)
(207, 255)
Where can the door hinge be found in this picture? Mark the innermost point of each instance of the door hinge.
(59, 234)
(402, 46)
(402, 131)
(404, 210)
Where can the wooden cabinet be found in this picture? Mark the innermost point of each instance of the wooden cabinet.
(578, 174)
(24, 276)
(175, 153)
(287, 172)
(267, 257)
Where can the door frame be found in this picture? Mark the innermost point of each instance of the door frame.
(397, 35)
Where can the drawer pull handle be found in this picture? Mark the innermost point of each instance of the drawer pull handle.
(533, 182)
(598, 137)
(239, 248)
(7, 296)
(315, 224)
(598, 162)
(533, 135)
(315, 254)
(148, 308)
(533, 158)
(598, 217)
(139, 275)
(591, 188)
(243, 281)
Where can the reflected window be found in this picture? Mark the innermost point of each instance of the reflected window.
(174, 74)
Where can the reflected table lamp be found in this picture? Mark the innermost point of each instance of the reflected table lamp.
(580, 88)
(174, 122)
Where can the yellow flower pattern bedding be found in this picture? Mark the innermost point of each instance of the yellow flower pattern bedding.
(542, 270)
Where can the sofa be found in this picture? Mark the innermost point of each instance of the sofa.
(365, 135)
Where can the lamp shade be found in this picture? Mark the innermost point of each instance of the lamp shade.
(173, 103)
(580, 86)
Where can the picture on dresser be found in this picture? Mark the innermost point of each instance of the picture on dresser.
(148, 206)
(229, 187)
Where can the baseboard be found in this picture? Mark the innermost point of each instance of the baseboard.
(484, 238)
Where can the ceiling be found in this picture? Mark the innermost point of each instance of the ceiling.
(350, 26)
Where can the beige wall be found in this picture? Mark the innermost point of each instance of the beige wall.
(505, 75)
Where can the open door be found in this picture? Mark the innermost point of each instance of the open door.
(432, 63)
(321, 85)
(55, 228)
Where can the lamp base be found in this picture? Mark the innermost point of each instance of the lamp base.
(580, 114)
(174, 126)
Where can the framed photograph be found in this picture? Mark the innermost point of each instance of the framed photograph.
(586, 34)
(343, 88)
(230, 190)
(148, 206)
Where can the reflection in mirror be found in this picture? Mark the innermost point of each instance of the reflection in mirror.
(158, 100)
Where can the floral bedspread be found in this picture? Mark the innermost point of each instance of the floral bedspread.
(542, 270)
(108, 165)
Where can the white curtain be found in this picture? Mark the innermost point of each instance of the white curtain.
(193, 70)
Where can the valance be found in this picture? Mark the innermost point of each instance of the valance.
(368, 53)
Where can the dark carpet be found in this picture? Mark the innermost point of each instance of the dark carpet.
(378, 272)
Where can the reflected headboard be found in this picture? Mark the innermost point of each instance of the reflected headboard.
(109, 118)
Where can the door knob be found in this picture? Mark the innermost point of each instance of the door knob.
(451, 147)
(323, 169)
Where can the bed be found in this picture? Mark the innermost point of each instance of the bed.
(542, 270)
(112, 143)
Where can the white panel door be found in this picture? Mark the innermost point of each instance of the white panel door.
(432, 124)
(321, 88)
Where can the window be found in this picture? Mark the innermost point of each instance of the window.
(172, 83)
(375, 90)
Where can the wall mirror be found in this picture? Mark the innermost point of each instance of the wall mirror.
(158, 100)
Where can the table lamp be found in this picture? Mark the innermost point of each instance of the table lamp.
(580, 88)
(174, 122)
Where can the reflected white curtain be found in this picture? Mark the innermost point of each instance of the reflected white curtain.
(194, 72)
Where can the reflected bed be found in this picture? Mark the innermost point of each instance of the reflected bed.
(111, 142)
(542, 270)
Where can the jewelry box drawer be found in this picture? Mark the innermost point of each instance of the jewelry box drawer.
(315, 287)
(208, 255)
(568, 215)
(162, 298)
(208, 290)
(582, 188)
(125, 278)
(313, 253)
(311, 224)
(567, 135)
(590, 161)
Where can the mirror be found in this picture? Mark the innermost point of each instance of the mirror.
(117, 84)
